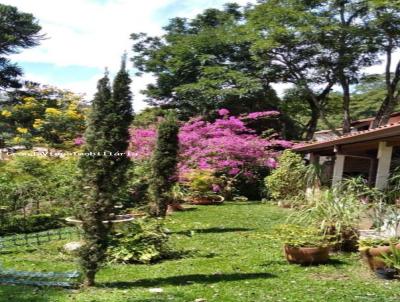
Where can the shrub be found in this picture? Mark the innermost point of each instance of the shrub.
(202, 182)
(300, 236)
(287, 181)
(226, 146)
(41, 185)
(33, 166)
(141, 242)
(29, 224)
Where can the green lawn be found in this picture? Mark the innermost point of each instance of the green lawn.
(232, 259)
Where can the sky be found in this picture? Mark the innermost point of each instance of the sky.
(83, 37)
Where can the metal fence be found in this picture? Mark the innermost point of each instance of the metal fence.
(39, 238)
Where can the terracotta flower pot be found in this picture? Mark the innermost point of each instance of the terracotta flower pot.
(207, 200)
(306, 255)
(176, 207)
(372, 254)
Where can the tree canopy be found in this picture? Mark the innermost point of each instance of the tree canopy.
(229, 58)
(203, 64)
(18, 30)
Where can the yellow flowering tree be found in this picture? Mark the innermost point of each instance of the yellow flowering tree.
(42, 115)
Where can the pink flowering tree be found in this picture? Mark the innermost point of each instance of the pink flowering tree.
(226, 146)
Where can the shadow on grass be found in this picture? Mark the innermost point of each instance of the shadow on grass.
(336, 262)
(28, 294)
(214, 230)
(187, 280)
(331, 262)
(189, 209)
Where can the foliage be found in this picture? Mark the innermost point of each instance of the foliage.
(226, 146)
(392, 259)
(203, 64)
(384, 22)
(18, 30)
(135, 191)
(335, 212)
(300, 236)
(202, 182)
(17, 224)
(140, 242)
(287, 181)
(164, 165)
(42, 115)
(103, 173)
(366, 243)
(149, 116)
(231, 249)
(31, 185)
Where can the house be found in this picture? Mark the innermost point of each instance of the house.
(371, 153)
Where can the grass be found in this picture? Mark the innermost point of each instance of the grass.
(232, 259)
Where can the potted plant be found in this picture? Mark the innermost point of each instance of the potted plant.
(177, 197)
(372, 250)
(391, 259)
(335, 212)
(305, 245)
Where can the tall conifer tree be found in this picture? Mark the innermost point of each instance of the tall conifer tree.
(164, 162)
(103, 170)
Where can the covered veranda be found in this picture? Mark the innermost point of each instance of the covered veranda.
(372, 154)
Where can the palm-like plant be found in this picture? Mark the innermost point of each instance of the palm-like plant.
(392, 259)
(334, 212)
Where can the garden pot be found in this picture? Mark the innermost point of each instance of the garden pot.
(306, 255)
(176, 207)
(372, 254)
(207, 200)
(386, 273)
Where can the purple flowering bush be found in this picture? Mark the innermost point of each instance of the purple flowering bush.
(226, 146)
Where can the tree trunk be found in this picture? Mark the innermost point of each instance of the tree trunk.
(346, 107)
(90, 278)
(313, 122)
(342, 64)
(159, 208)
(391, 99)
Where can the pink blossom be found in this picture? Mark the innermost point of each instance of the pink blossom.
(282, 143)
(271, 163)
(216, 188)
(260, 114)
(225, 146)
(223, 112)
(234, 171)
(79, 141)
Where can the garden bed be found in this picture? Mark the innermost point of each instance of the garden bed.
(233, 259)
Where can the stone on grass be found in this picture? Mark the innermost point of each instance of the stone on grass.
(72, 247)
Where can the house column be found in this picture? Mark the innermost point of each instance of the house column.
(314, 159)
(338, 169)
(384, 160)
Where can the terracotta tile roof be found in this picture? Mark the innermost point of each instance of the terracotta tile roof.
(360, 121)
(388, 130)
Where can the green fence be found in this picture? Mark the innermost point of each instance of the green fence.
(39, 238)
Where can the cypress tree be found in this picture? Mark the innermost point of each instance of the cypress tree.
(164, 162)
(103, 170)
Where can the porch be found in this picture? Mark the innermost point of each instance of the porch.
(373, 154)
